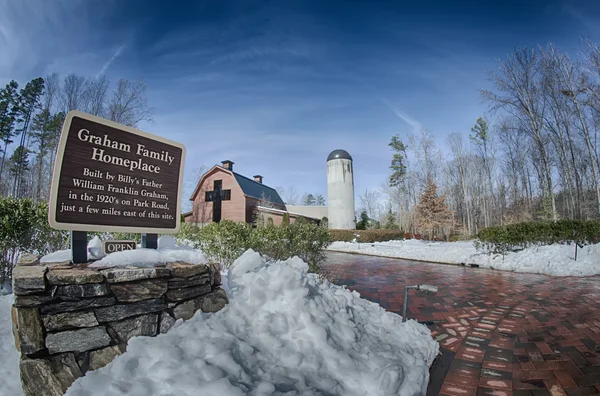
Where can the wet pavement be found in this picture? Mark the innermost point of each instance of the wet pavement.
(506, 333)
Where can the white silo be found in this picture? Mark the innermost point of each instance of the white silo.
(340, 191)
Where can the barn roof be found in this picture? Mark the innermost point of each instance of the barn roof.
(258, 190)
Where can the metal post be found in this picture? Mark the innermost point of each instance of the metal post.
(150, 241)
(405, 304)
(79, 247)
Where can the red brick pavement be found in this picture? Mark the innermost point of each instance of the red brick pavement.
(513, 334)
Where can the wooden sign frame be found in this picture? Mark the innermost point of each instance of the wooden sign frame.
(54, 189)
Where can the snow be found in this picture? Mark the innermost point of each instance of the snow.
(9, 365)
(556, 260)
(284, 332)
(58, 256)
(168, 251)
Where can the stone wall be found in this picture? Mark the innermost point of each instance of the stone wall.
(70, 319)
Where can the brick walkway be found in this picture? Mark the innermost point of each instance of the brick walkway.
(512, 334)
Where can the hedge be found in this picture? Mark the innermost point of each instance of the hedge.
(227, 240)
(366, 236)
(514, 237)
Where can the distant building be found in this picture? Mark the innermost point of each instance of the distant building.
(222, 194)
(316, 212)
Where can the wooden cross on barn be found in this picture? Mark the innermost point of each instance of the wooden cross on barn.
(216, 197)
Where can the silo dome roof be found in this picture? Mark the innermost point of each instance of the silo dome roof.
(339, 154)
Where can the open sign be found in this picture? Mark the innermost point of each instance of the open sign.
(118, 246)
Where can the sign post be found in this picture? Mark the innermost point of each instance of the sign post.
(79, 247)
(150, 241)
(114, 178)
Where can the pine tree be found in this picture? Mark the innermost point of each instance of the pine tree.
(390, 222)
(363, 223)
(29, 101)
(18, 166)
(432, 213)
(45, 130)
(309, 200)
(320, 200)
(8, 116)
(399, 162)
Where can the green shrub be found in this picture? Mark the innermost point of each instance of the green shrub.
(24, 228)
(226, 241)
(325, 222)
(366, 236)
(514, 237)
(189, 233)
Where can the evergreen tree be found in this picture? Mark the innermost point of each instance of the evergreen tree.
(390, 221)
(8, 116)
(286, 219)
(320, 200)
(45, 131)
(309, 200)
(29, 101)
(432, 213)
(399, 162)
(363, 222)
(18, 166)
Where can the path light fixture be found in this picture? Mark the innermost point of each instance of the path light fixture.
(425, 289)
(357, 239)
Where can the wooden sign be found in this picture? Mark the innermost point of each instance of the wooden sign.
(110, 177)
(118, 246)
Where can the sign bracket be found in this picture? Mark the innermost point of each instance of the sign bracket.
(79, 247)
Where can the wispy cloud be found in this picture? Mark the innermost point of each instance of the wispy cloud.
(585, 19)
(115, 55)
(415, 125)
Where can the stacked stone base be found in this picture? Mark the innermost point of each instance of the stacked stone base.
(70, 319)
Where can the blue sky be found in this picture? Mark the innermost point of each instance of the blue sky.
(276, 85)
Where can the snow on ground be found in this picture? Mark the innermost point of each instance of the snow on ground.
(9, 356)
(557, 260)
(283, 333)
(168, 251)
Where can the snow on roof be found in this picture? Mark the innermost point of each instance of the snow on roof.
(283, 332)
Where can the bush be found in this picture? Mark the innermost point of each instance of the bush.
(226, 241)
(514, 237)
(366, 236)
(24, 228)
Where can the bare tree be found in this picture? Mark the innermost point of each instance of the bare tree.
(428, 158)
(289, 195)
(518, 82)
(73, 93)
(52, 96)
(461, 165)
(574, 85)
(128, 104)
(96, 95)
(370, 203)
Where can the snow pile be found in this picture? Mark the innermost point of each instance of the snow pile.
(168, 251)
(557, 260)
(9, 365)
(283, 333)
